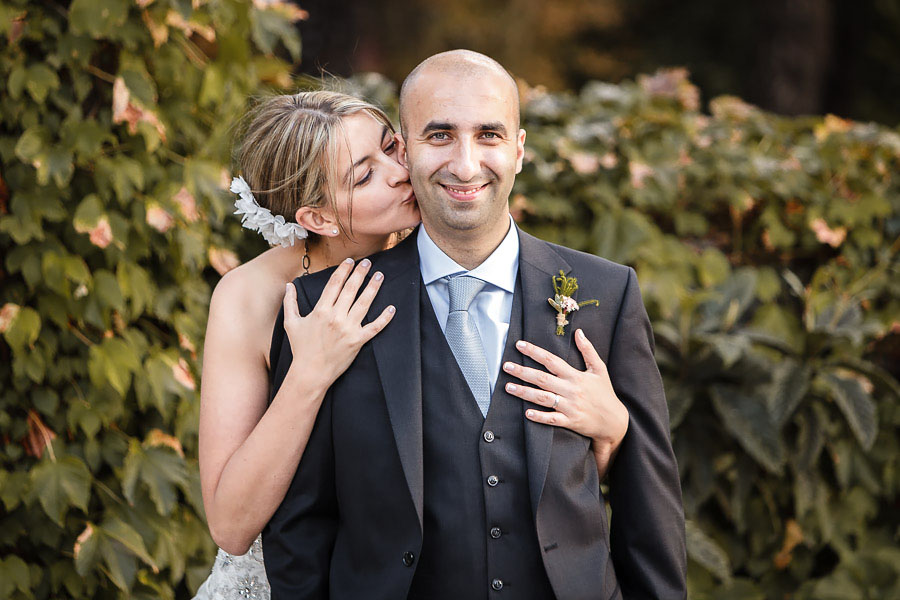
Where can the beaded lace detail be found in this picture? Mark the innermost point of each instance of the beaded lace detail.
(237, 577)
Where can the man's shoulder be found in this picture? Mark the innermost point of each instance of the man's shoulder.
(390, 262)
(586, 267)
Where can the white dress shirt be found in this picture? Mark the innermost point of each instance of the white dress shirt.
(492, 306)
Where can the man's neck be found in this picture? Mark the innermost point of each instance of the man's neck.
(470, 249)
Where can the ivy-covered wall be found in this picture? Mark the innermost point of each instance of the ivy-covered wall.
(767, 250)
(116, 126)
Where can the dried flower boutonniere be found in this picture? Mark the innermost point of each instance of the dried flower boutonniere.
(564, 288)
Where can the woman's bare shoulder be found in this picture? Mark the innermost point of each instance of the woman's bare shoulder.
(248, 297)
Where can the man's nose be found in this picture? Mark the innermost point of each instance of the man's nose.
(464, 164)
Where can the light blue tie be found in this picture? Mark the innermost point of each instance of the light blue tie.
(462, 335)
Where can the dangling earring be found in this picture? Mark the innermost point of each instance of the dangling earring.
(305, 262)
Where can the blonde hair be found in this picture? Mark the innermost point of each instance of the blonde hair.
(289, 151)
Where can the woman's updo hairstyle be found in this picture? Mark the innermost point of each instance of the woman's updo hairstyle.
(289, 151)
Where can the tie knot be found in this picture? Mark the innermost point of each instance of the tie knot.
(463, 290)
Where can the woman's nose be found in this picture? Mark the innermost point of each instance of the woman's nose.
(397, 173)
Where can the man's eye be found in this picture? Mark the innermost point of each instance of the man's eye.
(491, 135)
(364, 179)
(439, 136)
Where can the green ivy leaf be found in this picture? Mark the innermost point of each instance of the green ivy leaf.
(121, 564)
(24, 330)
(107, 289)
(856, 404)
(14, 487)
(113, 361)
(60, 484)
(87, 549)
(747, 418)
(730, 347)
(14, 575)
(89, 211)
(159, 469)
(97, 18)
(85, 138)
(56, 164)
(790, 381)
(267, 28)
(706, 551)
(40, 80)
(54, 273)
(712, 267)
(16, 82)
(126, 535)
(31, 143)
(76, 269)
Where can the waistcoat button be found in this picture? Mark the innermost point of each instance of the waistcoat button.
(492, 480)
(408, 558)
(495, 532)
(489, 436)
(497, 584)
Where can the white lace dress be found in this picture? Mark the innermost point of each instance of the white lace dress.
(237, 577)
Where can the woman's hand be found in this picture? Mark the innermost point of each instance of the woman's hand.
(329, 337)
(583, 401)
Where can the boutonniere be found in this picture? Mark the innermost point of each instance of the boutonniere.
(564, 288)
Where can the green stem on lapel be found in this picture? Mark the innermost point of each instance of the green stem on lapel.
(564, 288)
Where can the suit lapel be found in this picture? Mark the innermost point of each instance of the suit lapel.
(538, 263)
(398, 356)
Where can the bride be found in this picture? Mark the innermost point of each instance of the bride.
(321, 181)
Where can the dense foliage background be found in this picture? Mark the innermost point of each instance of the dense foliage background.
(117, 121)
(796, 57)
(767, 250)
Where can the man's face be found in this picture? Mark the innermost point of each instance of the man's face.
(463, 150)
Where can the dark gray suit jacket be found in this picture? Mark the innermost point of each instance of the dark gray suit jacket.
(351, 523)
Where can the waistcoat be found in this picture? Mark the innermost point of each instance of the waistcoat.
(479, 538)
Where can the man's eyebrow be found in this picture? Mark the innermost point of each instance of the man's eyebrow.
(363, 159)
(438, 126)
(495, 126)
(445, 126)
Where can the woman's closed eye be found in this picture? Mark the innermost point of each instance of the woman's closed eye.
(365, 179)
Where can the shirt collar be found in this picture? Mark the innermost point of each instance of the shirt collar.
(499, 269)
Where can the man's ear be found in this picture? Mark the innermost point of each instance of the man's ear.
(520, 150)
(317, 220)
(401, 150)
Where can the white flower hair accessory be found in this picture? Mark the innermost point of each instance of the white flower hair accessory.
(256, 218)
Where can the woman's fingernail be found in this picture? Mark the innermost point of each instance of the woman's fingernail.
(529, 413)
(348, 260)
(580, 334)
(391, 309)
(378, 276)
(365, 263)
(520, 344)
(510, 387)
(509, 366)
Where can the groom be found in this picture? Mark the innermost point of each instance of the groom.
(422, 478)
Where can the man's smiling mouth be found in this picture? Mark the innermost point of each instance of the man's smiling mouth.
(464, 192)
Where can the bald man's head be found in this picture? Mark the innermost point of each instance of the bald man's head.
(457, 65)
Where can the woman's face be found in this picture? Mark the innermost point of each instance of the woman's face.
(383, 200)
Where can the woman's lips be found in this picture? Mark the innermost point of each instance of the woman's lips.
(464, 193)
